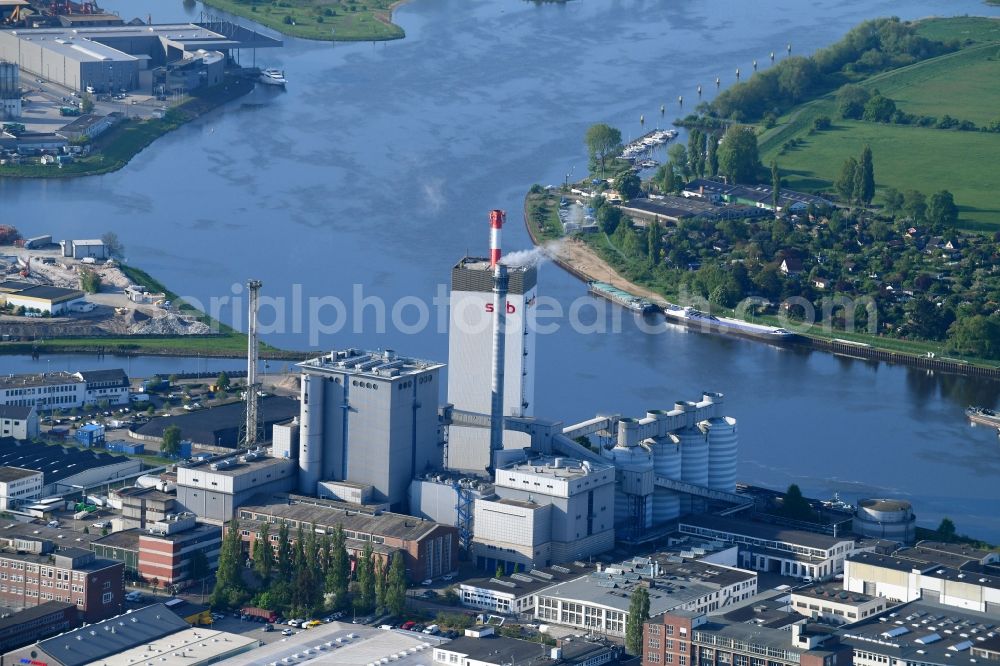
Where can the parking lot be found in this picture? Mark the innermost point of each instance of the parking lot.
(42, 101)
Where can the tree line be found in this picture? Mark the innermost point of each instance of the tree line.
(873, 46)
(307, 575)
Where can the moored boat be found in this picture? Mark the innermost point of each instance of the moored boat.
(273, 77)
(622, 298)
(698, 320)
(983, 416)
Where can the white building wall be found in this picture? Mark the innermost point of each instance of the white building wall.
(15, 493)
(470, 368)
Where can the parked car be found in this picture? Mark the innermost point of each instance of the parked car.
(101, 524)
(408, 625)
(287, 632)
(426, 582)
(448, 577)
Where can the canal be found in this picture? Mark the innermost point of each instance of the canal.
(373, 173)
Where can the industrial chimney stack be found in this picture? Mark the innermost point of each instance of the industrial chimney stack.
(497, 218)
(499, 335)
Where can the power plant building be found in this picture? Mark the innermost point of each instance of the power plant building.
(886, 519)
(370, 418)
(470, 338)
(546, 510)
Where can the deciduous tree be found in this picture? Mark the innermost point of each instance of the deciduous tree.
(739, 159)
(602, 141)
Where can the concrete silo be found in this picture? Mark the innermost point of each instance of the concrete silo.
(666, 464)
(722, 448)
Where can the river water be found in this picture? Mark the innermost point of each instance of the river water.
(376, 168)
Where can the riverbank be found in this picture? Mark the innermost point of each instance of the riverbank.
(321, 20)
(115, 148)
(583, 262)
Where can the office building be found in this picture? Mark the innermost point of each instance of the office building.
(429, 549)
(213, 489)
(773, 548)
(18, 486)
(599, 602)
(32, 624)
(168, 547)
(369, 418)
(833, 604)
(38, 572)
(18, 421)
(141, 507)
(64, 390)
(545, 510)
(694, 639)
(470, 360)
(515, 593)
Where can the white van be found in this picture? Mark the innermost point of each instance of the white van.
(90, 89)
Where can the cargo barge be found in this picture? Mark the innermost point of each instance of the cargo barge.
(692, 318)
(983, 416)
(622, 298)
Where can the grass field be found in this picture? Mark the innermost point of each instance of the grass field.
(330, 20)
(967, 29)
(960, 84)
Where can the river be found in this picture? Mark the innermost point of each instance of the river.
(377, 168)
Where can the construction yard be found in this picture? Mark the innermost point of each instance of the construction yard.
(119, 307)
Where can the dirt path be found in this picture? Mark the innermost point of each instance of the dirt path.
(580, 260)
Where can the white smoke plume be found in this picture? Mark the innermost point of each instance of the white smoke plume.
(533, 257)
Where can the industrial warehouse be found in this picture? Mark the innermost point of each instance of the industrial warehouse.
(109, 59)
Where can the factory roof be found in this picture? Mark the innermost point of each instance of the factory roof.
(29, 531)
(614, 591)
(220, 425)
(34, 613)
(73, 552)
(557, 468)
(8, 474)
(834, 593)
(7, 286)
(754, 634)
(17, 412)
(196, 645)
(887, 561)
(763, 531)
(394, 525)
(192, 533)
(501, 649)
(925, 632)
(114, 636)
(68, 43)
(144, 493)
(40, 379)
(47, 293)
(960, 549)
(239, 465)
(528, 582)
(125, 539)
(381, 365)
(56, 462)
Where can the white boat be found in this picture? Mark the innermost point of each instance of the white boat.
(710, 323)
(273, 77)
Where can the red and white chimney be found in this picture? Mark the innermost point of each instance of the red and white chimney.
(497, 218)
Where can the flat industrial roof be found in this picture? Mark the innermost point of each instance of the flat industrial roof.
(56, 462)
(568, 469)
(124, 539)
(73, 46)
(528, 582)
(47, 293)
(195, 645)
(8, 474)
(382, 365)
(763, 531)
(394, 525)
(17, 412)
(609, 590)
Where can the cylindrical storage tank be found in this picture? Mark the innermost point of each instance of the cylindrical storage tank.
(666, 464)
(310, 434)
(628, 433)
(628, 508)
(722, 453)
(886, 519)
(694, 455)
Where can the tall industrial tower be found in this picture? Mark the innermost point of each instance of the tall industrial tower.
(251, 431)
(470, 349)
